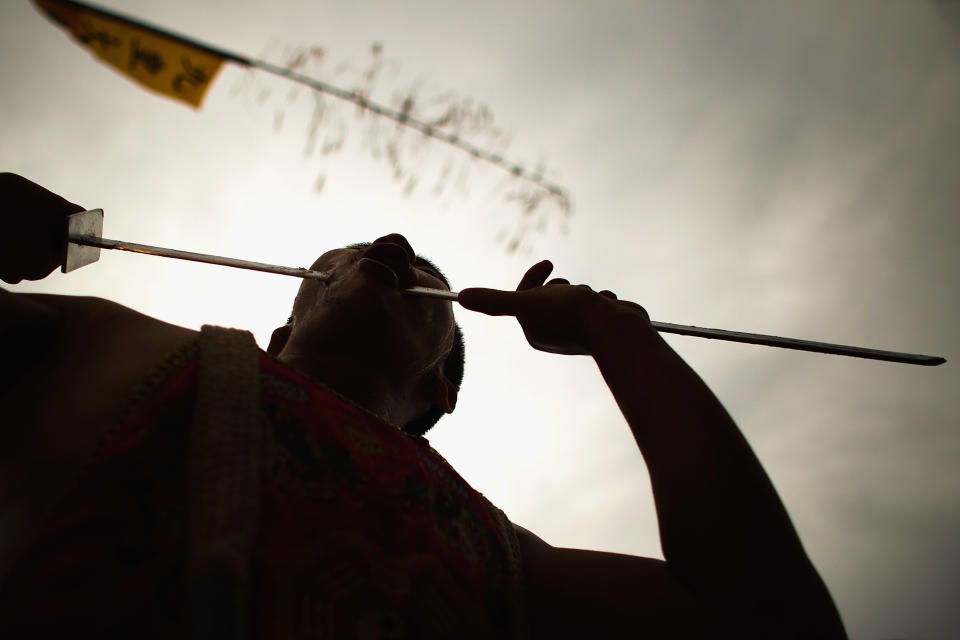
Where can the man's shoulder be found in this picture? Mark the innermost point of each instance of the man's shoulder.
(72, 359)
(78, 306)
(87, 332)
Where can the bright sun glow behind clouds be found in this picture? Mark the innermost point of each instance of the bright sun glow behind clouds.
(777, 167)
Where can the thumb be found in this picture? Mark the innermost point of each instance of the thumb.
(492, 302)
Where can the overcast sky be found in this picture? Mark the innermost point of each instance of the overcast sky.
(779, 167)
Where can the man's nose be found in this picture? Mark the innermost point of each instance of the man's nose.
(397, 239)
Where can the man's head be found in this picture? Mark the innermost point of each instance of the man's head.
(398, 355)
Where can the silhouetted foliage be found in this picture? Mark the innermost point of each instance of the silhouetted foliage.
(410, 131)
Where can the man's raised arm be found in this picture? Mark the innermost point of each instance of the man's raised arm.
(734, 562)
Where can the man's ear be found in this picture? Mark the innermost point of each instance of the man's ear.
(440, 391)
(279, 339)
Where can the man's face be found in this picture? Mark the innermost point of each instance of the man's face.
(361, 312)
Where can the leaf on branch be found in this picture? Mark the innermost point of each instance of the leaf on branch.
(472, 141)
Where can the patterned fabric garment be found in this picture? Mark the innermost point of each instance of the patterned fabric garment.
(364, 531)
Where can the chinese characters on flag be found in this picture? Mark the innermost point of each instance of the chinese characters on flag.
(161, 62)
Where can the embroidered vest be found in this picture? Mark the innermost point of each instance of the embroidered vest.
(357, 530)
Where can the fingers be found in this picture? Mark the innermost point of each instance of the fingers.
(535, 275)
(606, 293)
(495, 302)
(29, 198)
(492, 302)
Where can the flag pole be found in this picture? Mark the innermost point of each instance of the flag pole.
(402, 117)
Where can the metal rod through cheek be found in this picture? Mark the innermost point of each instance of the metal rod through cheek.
(664, 327)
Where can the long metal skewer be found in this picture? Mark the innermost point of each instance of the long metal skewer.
(755, 338)
(121, 245)
(80, 235)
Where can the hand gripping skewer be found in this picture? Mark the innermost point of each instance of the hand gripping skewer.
(84, 244)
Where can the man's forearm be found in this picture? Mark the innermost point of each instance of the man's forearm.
(723, 528)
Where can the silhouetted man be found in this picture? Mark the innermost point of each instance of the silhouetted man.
(155, 480)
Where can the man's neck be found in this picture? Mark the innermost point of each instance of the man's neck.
(379, 394)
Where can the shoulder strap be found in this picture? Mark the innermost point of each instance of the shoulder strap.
(224, 482)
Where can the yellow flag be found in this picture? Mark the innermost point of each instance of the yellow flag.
(159, 61)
